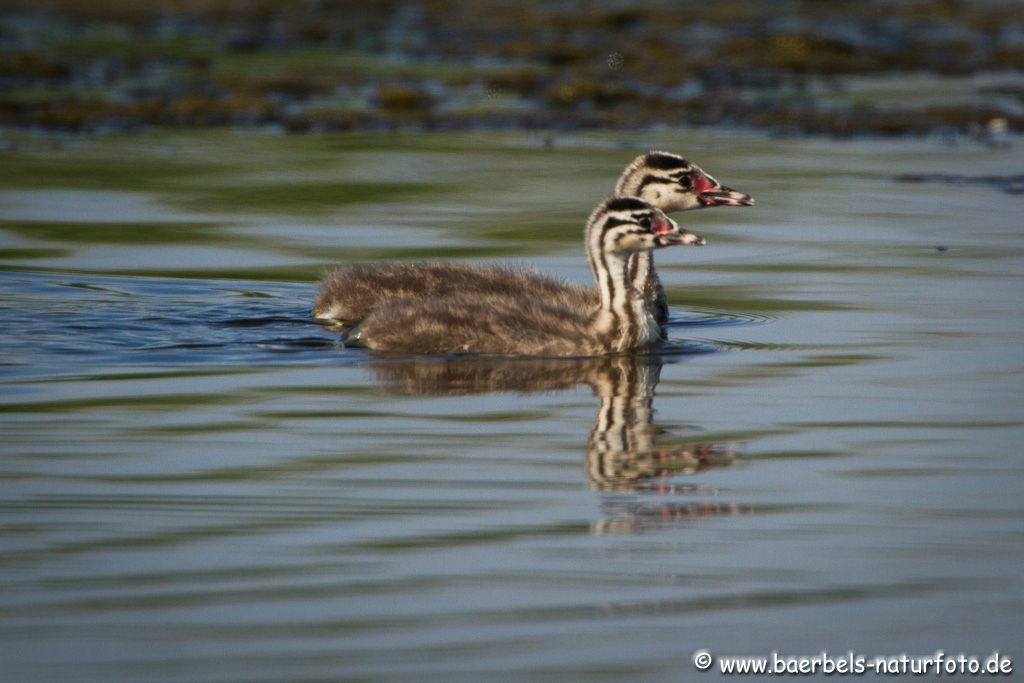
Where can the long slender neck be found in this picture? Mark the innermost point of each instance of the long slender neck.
(622, 320)
(641, 266)
(646, 281)
(611, 272)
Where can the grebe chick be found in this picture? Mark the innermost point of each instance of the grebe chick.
(532, 325)
(667, 181)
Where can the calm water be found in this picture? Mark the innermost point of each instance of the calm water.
(198, 483)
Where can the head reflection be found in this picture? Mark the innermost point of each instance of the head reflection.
(627, 452)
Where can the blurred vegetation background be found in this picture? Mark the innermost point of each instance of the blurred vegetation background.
(880, 67)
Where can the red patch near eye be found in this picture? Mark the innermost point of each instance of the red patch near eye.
(702, 184)
(661, 225)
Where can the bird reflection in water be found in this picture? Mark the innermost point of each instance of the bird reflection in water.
(629, 457)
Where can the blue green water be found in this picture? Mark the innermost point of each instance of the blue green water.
(199, 483)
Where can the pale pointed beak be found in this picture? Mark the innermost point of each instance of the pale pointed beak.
(680, 239)
(724, 196)
(669, 234)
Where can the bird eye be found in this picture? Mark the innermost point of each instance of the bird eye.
(686, 182)
(645, 222)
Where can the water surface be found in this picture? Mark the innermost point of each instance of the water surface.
(200, 483)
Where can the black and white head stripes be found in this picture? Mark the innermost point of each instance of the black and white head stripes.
(618, 228)
(672, 183)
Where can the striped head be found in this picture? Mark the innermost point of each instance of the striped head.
(672, 183)
(627, 225)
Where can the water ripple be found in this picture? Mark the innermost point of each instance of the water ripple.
(718, 319)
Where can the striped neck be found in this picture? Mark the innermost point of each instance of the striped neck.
(622, 320)
(646, 281)
(641, 266)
